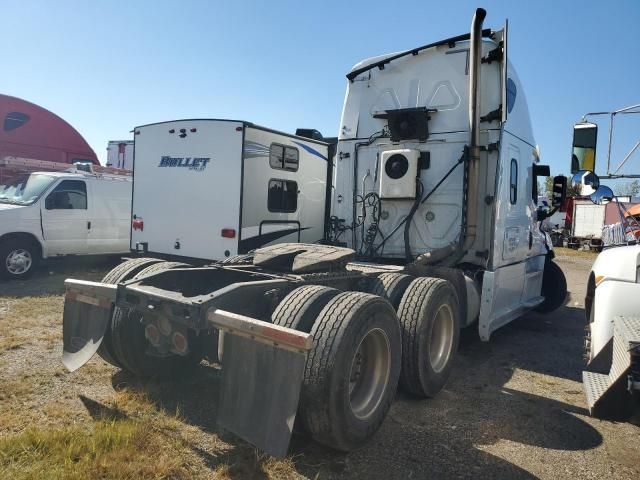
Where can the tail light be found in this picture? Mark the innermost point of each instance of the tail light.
(137, 224)
(180, 343)
(228, 233)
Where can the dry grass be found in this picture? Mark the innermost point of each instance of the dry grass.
(128, 438)
(29, 320)
(109, 449)
(570, 252)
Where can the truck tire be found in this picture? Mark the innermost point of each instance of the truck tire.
(19, 258)
(352, 370)
(554, 288)
(130, 343)
(429, 317)
(300, 309)
(125, 271)
(391, 286)
(240, 259)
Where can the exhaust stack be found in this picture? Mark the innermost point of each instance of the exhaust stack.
(474, 128)
(452, 254)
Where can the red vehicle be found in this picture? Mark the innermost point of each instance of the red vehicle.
(30, 131)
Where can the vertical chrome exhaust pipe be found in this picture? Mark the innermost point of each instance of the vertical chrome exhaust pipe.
(453, 253)
(473, 167)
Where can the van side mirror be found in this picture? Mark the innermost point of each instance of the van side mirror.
(583, 153)
(559, 192)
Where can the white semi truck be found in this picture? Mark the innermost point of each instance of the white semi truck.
(432, 227)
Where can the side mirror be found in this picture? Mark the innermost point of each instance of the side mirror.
(602, 195)
(583, 154)
(585, 183)
(559, 192)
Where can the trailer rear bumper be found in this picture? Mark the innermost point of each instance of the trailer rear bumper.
(262, 367)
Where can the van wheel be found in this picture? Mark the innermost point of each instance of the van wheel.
(19, 259)
(352, 370)
(125, 271)
(554, 288)
(130, 343)
(300, 309)
(391, 286)
(430, 320)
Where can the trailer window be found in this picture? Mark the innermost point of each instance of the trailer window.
(283, 158)
(513, 189)
(283, 196)
(68, 195)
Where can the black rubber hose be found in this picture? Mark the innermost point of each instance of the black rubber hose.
(407, 224)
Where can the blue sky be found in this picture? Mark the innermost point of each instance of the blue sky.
(106, 66)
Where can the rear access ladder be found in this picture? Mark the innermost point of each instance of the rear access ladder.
(611, 395)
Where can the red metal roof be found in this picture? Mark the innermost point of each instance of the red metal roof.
(30, 131)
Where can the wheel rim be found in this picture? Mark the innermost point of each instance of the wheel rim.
(441, 341)
(19, 261)
(369, 373)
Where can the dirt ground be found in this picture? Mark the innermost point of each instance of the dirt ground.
(513, 408)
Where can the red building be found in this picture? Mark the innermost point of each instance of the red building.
(30, 131)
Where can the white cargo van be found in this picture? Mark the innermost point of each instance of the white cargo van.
(74, 212)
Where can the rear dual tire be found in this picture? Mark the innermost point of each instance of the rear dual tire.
(125, 345)
(125, 271)
(352, 370)
(429, 316)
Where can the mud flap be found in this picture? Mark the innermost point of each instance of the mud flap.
(262, 372)
(87, 311)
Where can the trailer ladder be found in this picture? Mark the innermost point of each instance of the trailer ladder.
(31, 164)
(609, 395)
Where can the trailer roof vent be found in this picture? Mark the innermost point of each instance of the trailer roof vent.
(407, 123)
(309, 133)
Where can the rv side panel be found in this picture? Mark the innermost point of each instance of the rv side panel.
(284, 189)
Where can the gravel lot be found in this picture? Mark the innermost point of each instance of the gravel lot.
(514, 407)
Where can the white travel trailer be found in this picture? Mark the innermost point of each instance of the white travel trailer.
(433, 225)
(211, 189)
(120, 154)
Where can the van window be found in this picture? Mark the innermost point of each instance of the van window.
(513, 189)
(283, 196)
(14, 120)
(283, 158)
(68, 195)
(25, 190)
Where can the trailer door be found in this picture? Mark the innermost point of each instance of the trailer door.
(186, 188)
(588, 220)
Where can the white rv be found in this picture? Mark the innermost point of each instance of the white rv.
(210, 189)
(71, 212)
(120, 154)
